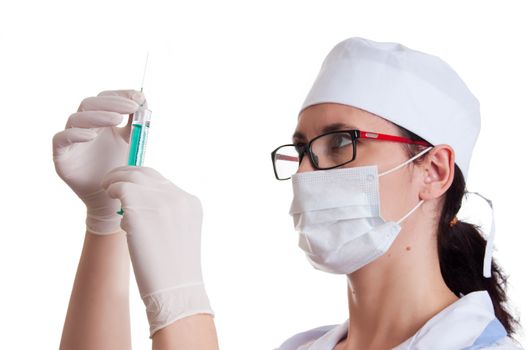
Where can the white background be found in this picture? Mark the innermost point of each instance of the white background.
(225, 83)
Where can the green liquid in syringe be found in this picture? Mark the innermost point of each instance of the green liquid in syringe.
(137, 144)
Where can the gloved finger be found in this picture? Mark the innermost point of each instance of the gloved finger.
(62, 140)
(93, 119)
(116, 104)
(120, 190)
(134, 95)
(132, 185)
(133, 174)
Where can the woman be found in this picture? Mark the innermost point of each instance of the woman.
(388, 127)
(377, 163)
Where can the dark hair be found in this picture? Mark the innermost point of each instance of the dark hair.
(461, 248)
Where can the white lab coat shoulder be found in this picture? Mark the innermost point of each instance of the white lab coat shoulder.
(467, 324)
(506, 343)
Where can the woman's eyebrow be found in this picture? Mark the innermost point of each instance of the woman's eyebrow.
(298, 135)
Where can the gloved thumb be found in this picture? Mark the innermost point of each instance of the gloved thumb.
(114, 182)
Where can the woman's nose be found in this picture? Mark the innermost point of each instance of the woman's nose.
(305, 165)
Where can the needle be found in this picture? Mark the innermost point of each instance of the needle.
(144, 73)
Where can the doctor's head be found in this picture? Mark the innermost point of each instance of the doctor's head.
(378, 163)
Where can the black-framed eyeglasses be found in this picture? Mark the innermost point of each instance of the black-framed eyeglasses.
(326, 151)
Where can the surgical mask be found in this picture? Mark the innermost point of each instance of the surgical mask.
(337, 215)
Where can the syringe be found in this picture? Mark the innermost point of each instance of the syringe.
(139, 133)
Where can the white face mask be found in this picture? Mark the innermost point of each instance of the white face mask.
(337, 215)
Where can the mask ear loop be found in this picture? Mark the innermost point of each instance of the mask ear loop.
(400, 166)
(406, 162)
(411, 211)
(491, 238)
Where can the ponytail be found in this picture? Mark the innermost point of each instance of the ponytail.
(461, 249)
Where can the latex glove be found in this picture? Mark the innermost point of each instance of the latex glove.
(90, 146)
(163, 225)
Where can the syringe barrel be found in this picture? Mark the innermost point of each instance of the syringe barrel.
(139, 136)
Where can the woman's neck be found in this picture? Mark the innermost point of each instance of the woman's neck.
(394, 296)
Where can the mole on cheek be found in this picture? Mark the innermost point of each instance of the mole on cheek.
(408, 248)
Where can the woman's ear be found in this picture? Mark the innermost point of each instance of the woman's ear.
(438, 171)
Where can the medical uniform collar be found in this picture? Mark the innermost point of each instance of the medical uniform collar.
(468, 323)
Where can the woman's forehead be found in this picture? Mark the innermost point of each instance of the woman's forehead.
(317, 119)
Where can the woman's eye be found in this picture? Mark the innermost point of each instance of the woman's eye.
(339, 141)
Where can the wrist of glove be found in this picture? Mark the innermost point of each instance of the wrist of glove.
(167, 306)
(163, 225)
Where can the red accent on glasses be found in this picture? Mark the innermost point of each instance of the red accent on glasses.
(384, 137)
(285, 157)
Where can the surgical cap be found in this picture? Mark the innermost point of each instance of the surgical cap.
(415, 90)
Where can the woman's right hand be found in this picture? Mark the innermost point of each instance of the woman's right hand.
(163, 229)
(91, 145)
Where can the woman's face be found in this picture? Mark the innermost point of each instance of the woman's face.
(398, 193)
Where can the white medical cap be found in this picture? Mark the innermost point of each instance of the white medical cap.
(415, 90)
